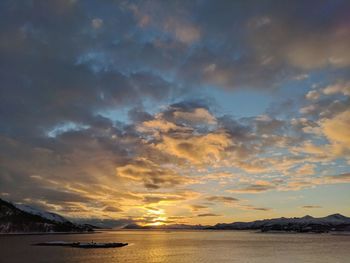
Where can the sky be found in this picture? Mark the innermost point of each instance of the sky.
(163, 112)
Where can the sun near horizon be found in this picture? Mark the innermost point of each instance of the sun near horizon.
(175, 112)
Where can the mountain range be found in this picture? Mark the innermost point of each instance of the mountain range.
(334, 222)
(19, 218)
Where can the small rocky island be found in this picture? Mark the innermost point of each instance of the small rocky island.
(81, 245)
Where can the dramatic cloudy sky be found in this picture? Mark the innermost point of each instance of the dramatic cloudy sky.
(176, 111)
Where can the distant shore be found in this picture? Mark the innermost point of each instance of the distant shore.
(340, 233)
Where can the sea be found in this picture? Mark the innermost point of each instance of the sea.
(180, 247)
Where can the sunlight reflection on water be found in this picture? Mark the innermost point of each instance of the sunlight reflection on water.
(181, 247)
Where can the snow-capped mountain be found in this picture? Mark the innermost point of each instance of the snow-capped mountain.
(39, 212)
(24, 219)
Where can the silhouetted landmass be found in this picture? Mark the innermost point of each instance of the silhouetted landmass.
(166, 227)
(25, 219)
(13, 219)
(335, 222)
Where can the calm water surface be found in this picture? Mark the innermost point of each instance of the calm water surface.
(180, 247)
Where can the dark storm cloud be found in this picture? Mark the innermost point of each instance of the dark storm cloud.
(42, 80)
(65, 60)
(260, 44)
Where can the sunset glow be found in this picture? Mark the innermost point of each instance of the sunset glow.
(175, 112)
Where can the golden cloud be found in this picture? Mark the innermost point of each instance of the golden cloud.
(197, 149)
(337, 129)
(152, 175)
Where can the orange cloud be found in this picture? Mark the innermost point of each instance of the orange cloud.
(337, 130)
(198, 149)
(152, 176)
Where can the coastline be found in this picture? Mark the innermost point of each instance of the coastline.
(338, 233)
